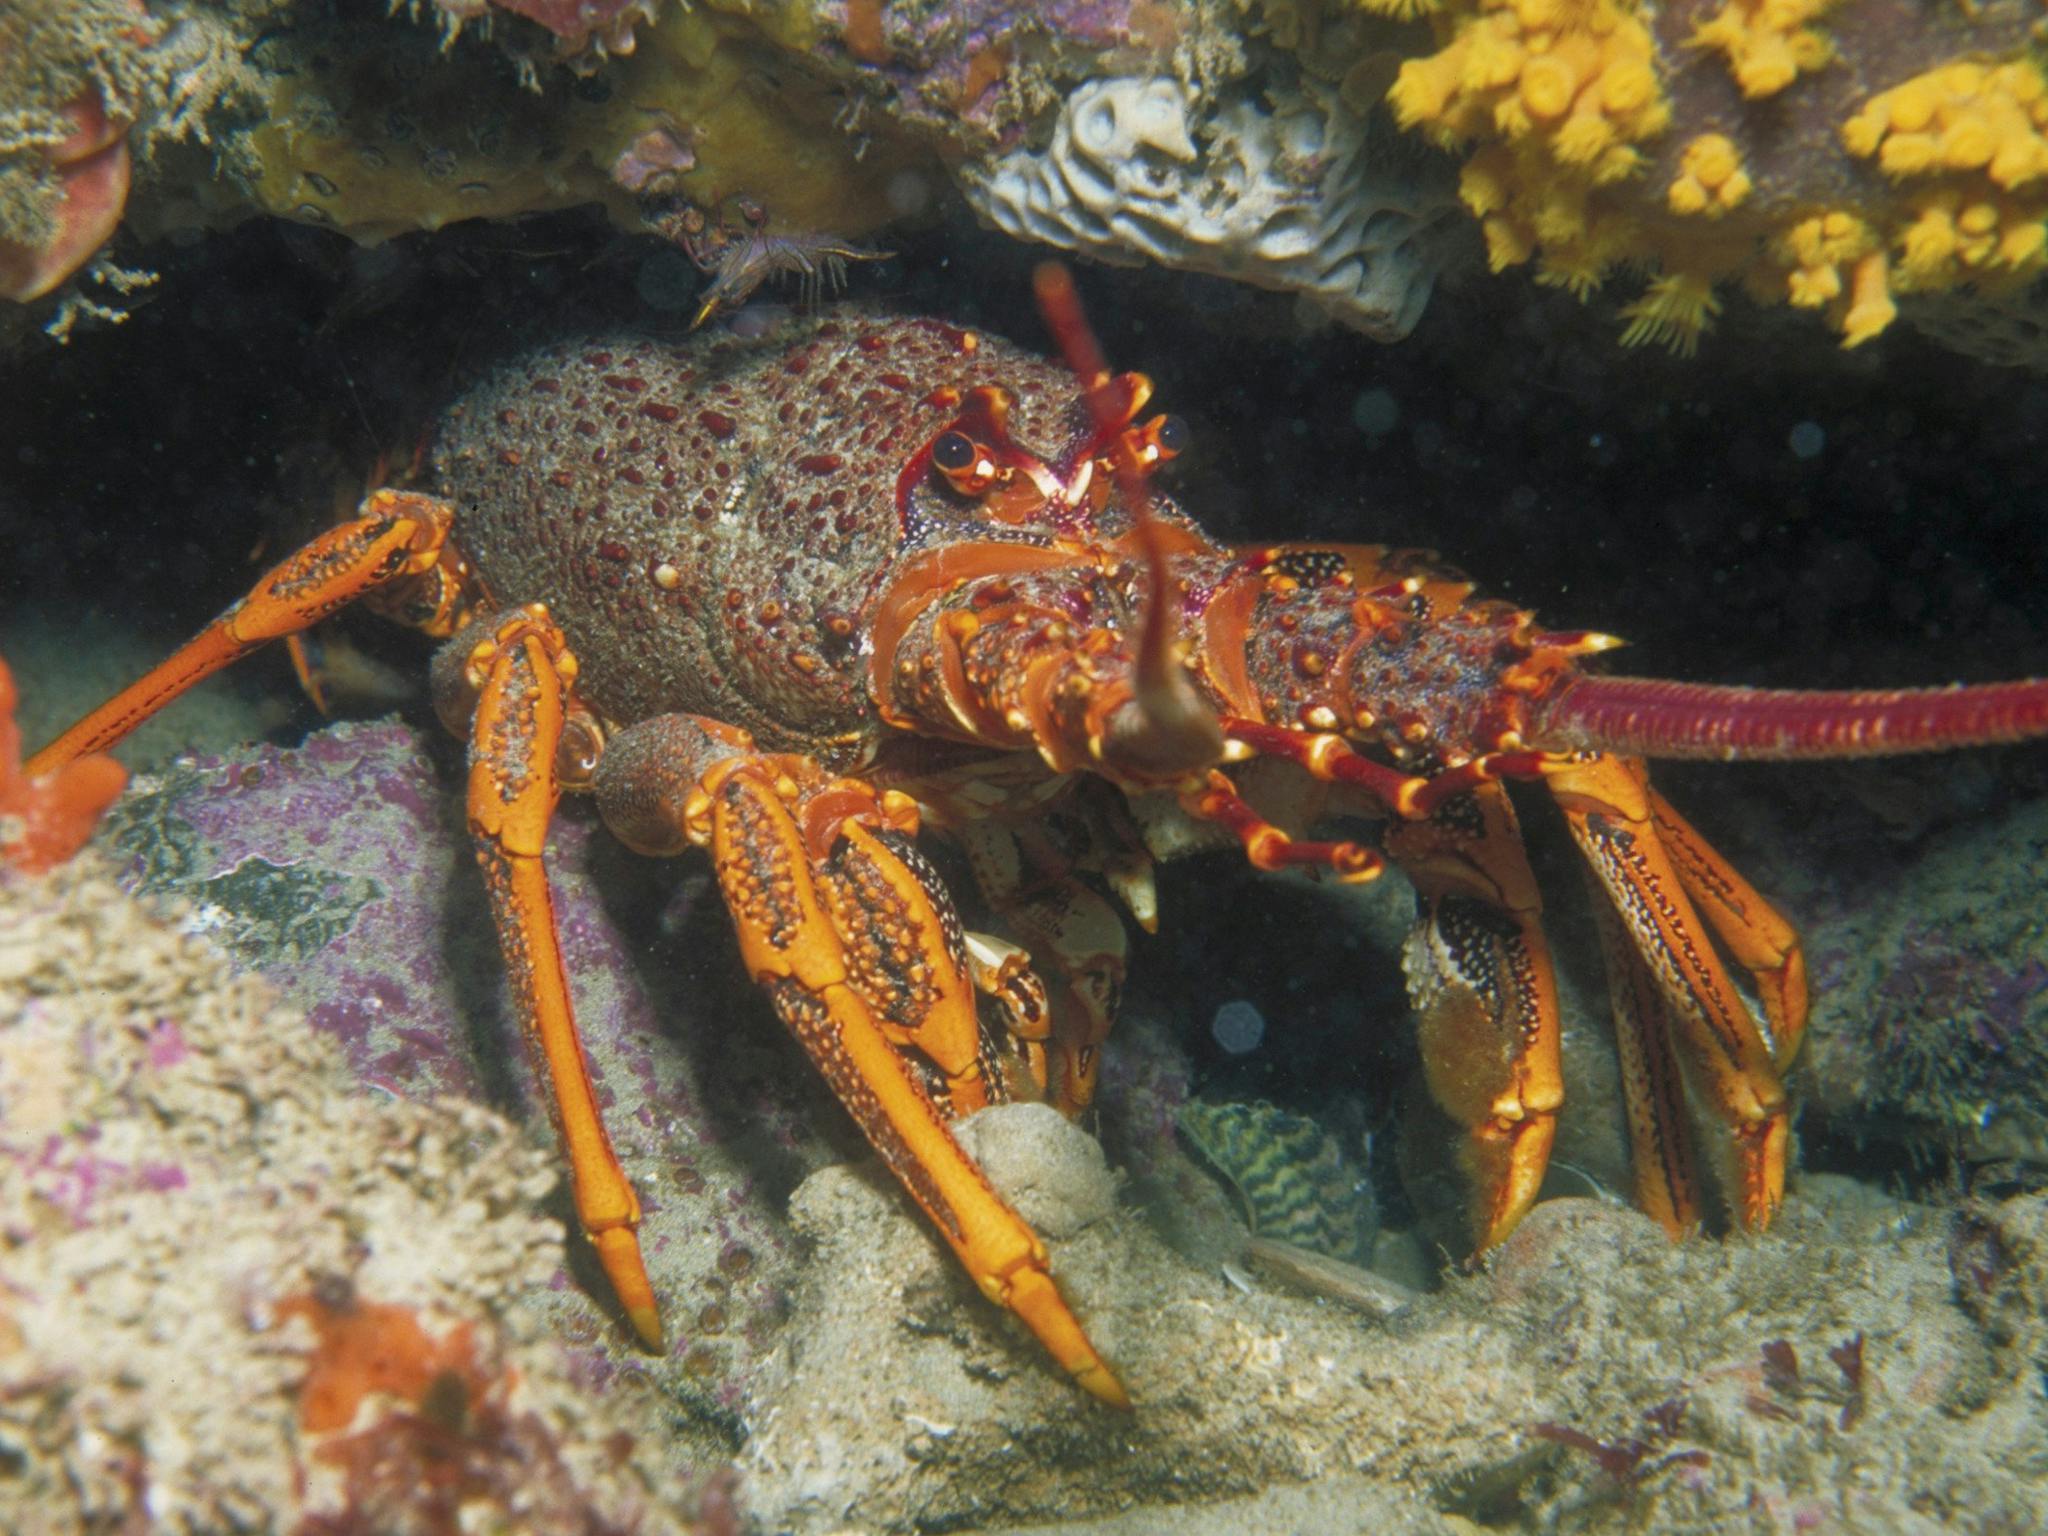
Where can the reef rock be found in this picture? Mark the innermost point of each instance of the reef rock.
(1577, 1383)
(341, 871)
(1930, 977)
(187, 1177)
(1592, 1375)
(901, 1400)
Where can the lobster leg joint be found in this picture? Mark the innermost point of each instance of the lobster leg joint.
(397, 542)
(522, 673)
(852, 936)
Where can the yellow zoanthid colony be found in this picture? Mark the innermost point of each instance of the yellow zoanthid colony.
(1828, 154)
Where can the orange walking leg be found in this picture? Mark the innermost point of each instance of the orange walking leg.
(398, 537)
(790, 945)
(1609, 806)
(1761, 941)
(853, 939)
(1652, 1082)
(523, 674)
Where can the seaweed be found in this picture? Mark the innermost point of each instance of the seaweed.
(1787, 1387)
(1630, 1462)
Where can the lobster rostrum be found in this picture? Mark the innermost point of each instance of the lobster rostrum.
(794, 601)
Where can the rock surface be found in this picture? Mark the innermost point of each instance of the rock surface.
(898, 1401)
(1868, 1365)
(340, 871)
(181, 1158)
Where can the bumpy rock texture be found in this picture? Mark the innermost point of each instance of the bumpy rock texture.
(1928, 951)
(1867, 1363)
(1296, 194)
(180, 1157)
(1593, 1377)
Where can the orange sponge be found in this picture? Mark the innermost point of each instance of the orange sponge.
(46, 819)
(92, 169)
(367, 1348)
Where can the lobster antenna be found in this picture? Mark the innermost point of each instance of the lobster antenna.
(1647, 717)
(1177, 728)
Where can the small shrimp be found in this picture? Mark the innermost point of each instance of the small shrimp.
(740, 259)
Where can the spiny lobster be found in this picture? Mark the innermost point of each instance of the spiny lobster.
(791, 601)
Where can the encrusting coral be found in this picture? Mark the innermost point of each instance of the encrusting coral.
(1828, 154)
(90, 169)
(378, 131)
(47, 818)
(242, 1293)
(1833, 155)
(585, 31)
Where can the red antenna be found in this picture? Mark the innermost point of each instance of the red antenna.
(1179, 729)
(1653, 718)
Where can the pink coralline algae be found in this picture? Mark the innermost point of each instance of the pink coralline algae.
(71, 1175)
(655, 160)
(341, 871)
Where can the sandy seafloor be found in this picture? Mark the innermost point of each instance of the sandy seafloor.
(184, 1148)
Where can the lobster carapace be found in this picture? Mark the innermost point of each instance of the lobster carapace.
(794, 600)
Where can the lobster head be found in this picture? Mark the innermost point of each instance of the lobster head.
(1050, 604)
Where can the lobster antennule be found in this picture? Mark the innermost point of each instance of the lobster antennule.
(1171, 727)
(1649, 717)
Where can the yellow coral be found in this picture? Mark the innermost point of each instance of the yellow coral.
(1674, 310)
(1970, 140)
(1955, 238)
(1566, 90)
(1768, 43)
(1819, 251)
(1710, 178)
(1960, 117)
(1567, 107)
(1579, 74)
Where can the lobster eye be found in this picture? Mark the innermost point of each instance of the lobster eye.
(1160, 439)
(953, 452)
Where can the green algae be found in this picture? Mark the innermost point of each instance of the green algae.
(262, 912)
